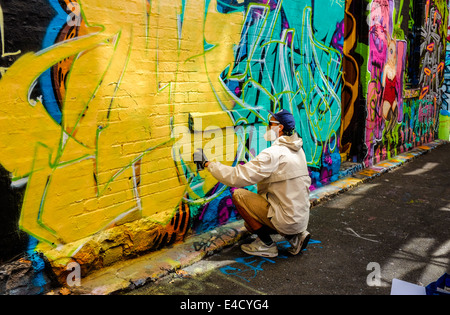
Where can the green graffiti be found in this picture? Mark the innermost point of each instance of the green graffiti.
(284, 61)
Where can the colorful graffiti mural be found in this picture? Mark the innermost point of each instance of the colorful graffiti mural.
(444, 117)
(350, 90)
(97, 145)
(432, 48)
(384, 95)
(289, 56)
(446, 84)
(421, 113)
(394, 124)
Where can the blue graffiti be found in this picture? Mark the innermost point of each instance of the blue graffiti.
(250, 266)
(49, 98)
(38, 264)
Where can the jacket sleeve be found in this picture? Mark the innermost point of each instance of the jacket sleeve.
(247, 174)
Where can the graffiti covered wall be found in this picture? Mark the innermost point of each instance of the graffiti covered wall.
(401, 113)
(444, 117)
(386, 62)
(298, 68)
(93, 101)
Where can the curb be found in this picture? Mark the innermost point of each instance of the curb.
(130, 274)
(133, 273)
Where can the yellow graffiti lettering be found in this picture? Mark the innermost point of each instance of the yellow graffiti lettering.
(135, 74)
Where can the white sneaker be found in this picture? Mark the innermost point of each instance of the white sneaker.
(259, 248)
(299, 242)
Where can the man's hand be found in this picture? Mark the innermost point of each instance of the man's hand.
(200, 159)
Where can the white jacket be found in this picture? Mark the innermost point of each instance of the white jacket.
(283, 180)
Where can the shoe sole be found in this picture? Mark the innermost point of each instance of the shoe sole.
(304, 244)
(268, 255)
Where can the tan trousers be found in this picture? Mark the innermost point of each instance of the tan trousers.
(253, 208)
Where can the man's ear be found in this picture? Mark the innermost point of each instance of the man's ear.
(280, 129)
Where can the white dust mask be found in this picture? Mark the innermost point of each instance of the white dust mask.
(270, 135)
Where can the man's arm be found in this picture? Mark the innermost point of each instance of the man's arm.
(244, 175)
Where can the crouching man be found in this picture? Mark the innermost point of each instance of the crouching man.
(281, 205)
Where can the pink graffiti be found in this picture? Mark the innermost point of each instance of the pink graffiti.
(386, 64)
(427, 113)
(377, 50)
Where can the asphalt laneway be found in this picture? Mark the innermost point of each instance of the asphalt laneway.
(394, 226)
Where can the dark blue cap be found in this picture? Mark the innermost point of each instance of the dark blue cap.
(285, 118)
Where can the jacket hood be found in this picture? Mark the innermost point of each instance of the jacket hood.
(294, 142)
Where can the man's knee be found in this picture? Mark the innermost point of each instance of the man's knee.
(237, 195)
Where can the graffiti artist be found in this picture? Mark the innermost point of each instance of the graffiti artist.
(281, 205)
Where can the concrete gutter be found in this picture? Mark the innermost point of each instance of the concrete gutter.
(133, 273)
